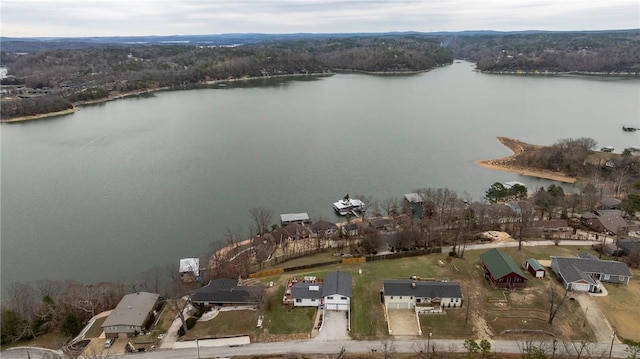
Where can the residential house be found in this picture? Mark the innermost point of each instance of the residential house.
(552, 228)
(299, 218)
(580, 274)
(501, 270)
(535, 268)
(263, 247)
(609, 221)
(610, 203)
(297, 231)
(133, 314)
(407, 294)
(629, 246)
(324, 229)
(350, 230)
(306, 293)
(381, 224)
(336, 291)
(413, 198)
(226, 292)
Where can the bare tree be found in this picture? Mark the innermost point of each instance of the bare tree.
(525, 219)
(555, 301)
(262, 218)
(388, 349)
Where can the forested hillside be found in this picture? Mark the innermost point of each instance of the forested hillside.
(44, 81)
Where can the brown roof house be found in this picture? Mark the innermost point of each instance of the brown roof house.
(501, 270)
(132, 315)
(605, 221)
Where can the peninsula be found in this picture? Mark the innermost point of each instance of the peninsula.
(512, 163)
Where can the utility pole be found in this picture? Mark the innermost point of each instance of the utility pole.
(613, 337)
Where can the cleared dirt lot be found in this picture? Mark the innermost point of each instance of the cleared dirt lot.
(403, 322)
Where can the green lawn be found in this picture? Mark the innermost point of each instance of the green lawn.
(282, 319)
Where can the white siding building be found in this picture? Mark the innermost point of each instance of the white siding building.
(407, 294)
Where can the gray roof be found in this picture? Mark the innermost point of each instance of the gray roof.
(586, 255)
(422, 288)
(301, 290)
(337, 283)
(573, 269)
(293, 217)
(133, 309)
(227, 291)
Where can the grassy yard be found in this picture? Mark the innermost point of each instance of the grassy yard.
(495, 309)
(237, 322)
(621, 306)
(50, 341)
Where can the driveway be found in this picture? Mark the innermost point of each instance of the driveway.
(334, 326)
(599, 323)
(403, 322)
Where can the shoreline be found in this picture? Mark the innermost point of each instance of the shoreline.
(151, 91)
(41, 116)
(518, 148)
(587, 74)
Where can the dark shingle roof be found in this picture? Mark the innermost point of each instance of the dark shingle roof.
(301, 290)
(422, 289)
(337, 283)
(323, 226)
(573, 269)
(227, 291)
(500, 263)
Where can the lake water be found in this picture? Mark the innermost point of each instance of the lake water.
(117, 188)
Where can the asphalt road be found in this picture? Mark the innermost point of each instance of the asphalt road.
(354, 346)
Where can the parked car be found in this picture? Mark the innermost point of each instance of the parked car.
(109, 342)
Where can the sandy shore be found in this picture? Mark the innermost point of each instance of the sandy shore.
(41, 116)
(506, 164)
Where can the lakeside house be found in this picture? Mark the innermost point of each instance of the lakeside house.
(348, 206)
(409, 294)
(133, 314)
(333, 293)
(501, 270)
(225, 292)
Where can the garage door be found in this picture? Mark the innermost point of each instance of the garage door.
(337, 307)
(580, 287)
(399, 305)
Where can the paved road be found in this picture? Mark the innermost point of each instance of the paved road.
(599, 323)
(353, 346)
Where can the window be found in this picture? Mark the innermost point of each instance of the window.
(400, 297)
(313, 300)
(343, 298)
(329, 298)
(391, 297)
(411, 297)
(298, 300)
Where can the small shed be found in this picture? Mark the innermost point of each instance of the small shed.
(535, 268)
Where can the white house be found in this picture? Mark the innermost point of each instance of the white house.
(336, 291)
(306, 294)
(407, 294)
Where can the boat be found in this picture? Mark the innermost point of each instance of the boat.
(607, 149)
(629, 128)
(348, 205)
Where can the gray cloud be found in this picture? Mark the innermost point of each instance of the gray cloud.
(163, 17)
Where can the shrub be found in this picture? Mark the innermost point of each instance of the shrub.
(191, 322)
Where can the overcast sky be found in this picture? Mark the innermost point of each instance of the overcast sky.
(78, 18)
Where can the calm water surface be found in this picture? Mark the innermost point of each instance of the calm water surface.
(117, 188)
